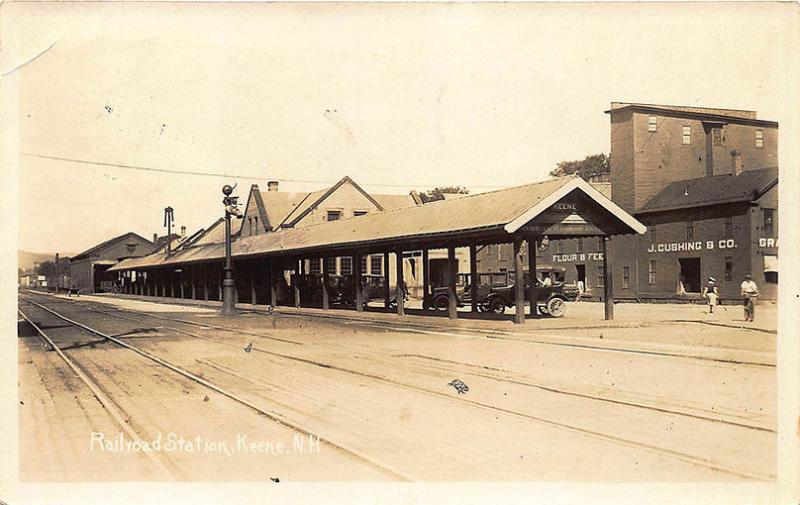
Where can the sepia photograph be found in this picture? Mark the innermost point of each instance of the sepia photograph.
(260, 246)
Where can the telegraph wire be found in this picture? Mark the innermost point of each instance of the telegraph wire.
(229, 176)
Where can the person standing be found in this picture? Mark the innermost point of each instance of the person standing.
(750, 293)
(711, 292)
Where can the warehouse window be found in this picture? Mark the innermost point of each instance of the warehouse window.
(759, 138)
(601, 278)
(315, 265)
(729, 227)
(376, 264)
(689, 231)
(771, 268)
(346, 263)
(653, 234)
(716, 137)
(599, 244)
(626, 277)
(334, 215)
(769, 229)
(687, 135)
(652, 123)
(651, 272)
(560, 247)
(580, 245)
(728, 268)
(331, 265)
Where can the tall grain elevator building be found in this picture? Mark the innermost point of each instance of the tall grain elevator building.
(704, 182)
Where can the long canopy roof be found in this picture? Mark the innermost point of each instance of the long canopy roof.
(492, 216)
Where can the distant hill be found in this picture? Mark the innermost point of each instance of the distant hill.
(26, 259)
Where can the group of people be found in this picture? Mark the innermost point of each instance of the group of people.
(748, 289)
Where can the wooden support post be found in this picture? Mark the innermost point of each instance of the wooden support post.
(193, 280)
(205, 281)
(519, 283)
(474, 278)
(326, 296)
(296, 283)
(182, 288)
(533, 244)
(608, 282)
(399, 290)
(219, 285)
(171, 279)
(253, 284)
(358, 278)
(452, 273)
(426, 275)
(273, 283)
(387, 294)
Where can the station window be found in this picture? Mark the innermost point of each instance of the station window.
(716, 137)
(729, 227)
(601, 278)
(689, 231)
(626, 277)
(687, 135)
(580, 245)
(759, 138)
(652, 123)
(346, 263)
(376, 264)
(363, 265)
(769, 227)
(334, 215)
(728, 268)
(651, 272)
(250, 225)
(357, 213)
(255, 224)
(331, 265)
(315, 265)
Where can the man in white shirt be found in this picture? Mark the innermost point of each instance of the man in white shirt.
(750, 293)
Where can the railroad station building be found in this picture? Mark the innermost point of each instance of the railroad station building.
(704, 182)
(280, 266)
(88, 271)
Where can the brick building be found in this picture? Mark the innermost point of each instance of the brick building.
(704, 181)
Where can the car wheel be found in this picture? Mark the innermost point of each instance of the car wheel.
(442, 303)
(556, 307)
(497, 306)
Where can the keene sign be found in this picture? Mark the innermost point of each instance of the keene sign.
(728, 243)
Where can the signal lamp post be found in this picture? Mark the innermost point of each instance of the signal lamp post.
(228, 284)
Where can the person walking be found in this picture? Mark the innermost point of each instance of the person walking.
(750, 293)
(711, 292)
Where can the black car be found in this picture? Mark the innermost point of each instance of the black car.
(550, 299)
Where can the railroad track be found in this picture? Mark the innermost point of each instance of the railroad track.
(481, 405)
(104, 398)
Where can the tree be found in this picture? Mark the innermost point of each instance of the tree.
(593, 165)
(438, 193)
(47, 268)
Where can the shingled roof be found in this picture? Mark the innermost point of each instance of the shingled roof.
(500, 213)
(714, 190)
(99, 247)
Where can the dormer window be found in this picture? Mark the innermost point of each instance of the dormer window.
(687, 135)
(334, 215)
(759, 138)
(652, 123)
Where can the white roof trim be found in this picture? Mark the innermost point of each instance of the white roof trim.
(576, 183)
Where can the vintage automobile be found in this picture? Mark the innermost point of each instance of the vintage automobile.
(550, 300)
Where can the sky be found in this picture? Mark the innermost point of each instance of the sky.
(397, 96)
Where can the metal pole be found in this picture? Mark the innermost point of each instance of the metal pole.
(228, 284)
